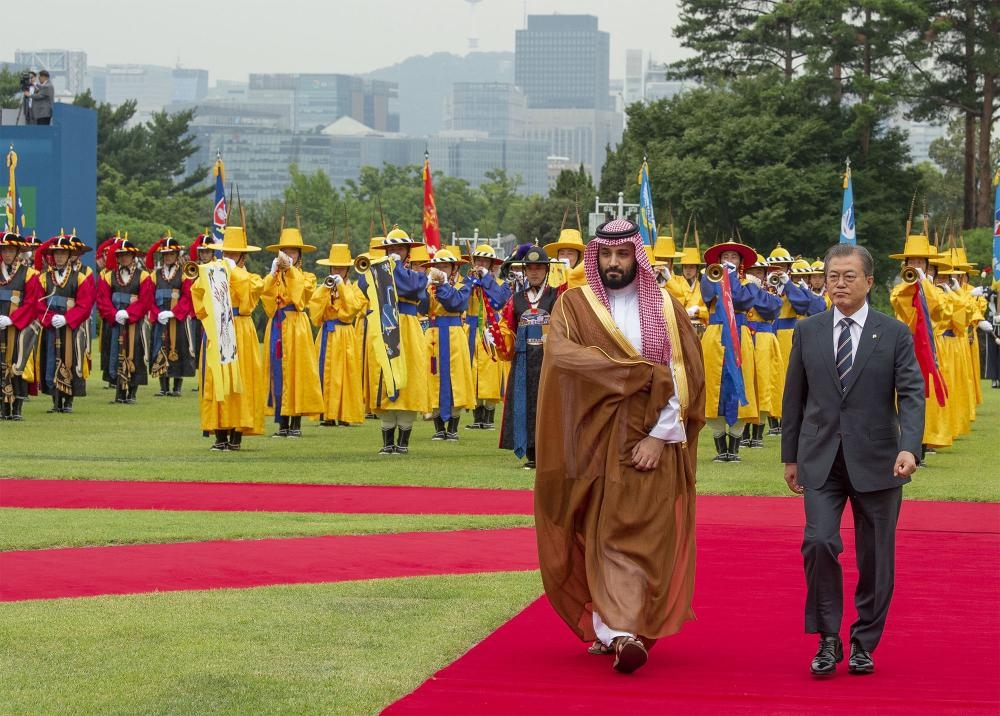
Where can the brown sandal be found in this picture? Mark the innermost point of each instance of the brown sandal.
(630, 654)
(599, 649)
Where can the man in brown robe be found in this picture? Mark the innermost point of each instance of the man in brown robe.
(620, 405)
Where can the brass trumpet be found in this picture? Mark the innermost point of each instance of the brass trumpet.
(330, 282)
(774, 280)
(909, 275)
(361, 264)
(190, 270)
(715, 272)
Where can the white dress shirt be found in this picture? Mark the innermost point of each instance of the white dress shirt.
(624, 304)
(858, 319)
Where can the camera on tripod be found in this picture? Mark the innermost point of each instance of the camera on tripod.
(25, 81)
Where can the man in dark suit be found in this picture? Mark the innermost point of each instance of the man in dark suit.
(852, 422)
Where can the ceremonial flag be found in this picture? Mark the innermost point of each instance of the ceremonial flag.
(996, 228)
(647, 222)
(847, 217)
(14, 211)
(432, 229)
(220, 215)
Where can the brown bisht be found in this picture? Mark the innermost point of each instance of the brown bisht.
(610, 537)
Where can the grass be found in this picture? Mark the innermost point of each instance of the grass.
(38, 529)
(159, 439)
(347, 648)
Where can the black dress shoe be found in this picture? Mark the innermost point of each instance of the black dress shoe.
(861, 659)
(830, 653)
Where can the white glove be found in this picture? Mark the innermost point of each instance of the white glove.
(986, 326)
(121, 318)
(785, 278)
(274, 265)
(728, 266)
(954, 283)
(164, 316)
(480, 271)
(754, 280)
(231, 262)
(921, 274)
(58, 320)
(5, 321)
(978, 291)
(338, 280)
(944, 287)
(692, 311)
(802, 284)
(437, 276)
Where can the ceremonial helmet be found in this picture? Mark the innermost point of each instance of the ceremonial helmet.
(291, 238)
(485, 251)
(375, 247)
(126, 247)
(445, 256)
(397, 237)
(340, 256)
(534, 255)
(10, 238)
(713, 254)
(234, 241)
(418, 254)
(779, 255)
(666, 249)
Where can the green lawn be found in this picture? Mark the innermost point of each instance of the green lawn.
(37, 529)
(159, 439)
(347, 648)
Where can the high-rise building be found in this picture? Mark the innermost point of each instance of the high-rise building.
(67, 68)
(151, 87)
(495, 108)
(562, 62)
(317, 100)
(634, 89)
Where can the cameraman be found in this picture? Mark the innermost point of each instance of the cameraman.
(41, 100)
(28, 80)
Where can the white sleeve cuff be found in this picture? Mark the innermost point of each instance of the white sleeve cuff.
(669, 427)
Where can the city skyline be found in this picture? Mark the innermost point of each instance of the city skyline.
(258, 40)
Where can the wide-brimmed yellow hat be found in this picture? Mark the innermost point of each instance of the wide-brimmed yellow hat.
(445, 256)
(917, 247)
(962, 258)
(649, 254)
(665, 249)
(291, 238)
(340, 255)
(485, 251)
(568, 239)
(418, 254)
(398, 237)
(780, 255)
(234, 240)
(375, 247)
(690, 256)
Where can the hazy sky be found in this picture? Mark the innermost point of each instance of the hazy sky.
(233, 39)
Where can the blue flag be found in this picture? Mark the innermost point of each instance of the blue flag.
(220, 215)
(647, 222)
(996, 228)
(847, 217)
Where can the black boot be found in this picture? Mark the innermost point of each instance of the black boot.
(295, 426)
(745, 439)
(282, 431)
(530, 462)
(130, 398)
(164, 387)
(452, 431)
(721, 453)
(477, 418)
(403, 443)
(178, 382)
(438, 428)
(235, 439)
(56, 402)
(388, 441)
(67, 404)
(734, 447)
(221, 441)
(15, 409)
(6, 408)
(119, 395)
(774, 426)
(923, 453)
(488, 415)
(757, 440)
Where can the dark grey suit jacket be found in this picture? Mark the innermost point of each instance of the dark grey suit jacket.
(41, 101)
(880, 413)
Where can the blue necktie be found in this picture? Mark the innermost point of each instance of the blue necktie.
(844, 346)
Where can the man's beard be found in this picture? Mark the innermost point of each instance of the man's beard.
(618, 281)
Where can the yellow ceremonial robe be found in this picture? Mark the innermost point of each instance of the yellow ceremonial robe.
(339, 350)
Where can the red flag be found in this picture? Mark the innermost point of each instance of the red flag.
(432, 230)
(923, 346)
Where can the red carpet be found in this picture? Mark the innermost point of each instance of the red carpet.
(269, 497)
(747, 653)
(252, 497)
(89, 571)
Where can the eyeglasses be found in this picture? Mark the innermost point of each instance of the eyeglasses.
(835, 278)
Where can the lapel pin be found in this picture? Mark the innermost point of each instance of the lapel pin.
(874, 335)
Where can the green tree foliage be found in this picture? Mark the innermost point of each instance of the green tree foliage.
(142, 185)
(763, 158)
(10, 89)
